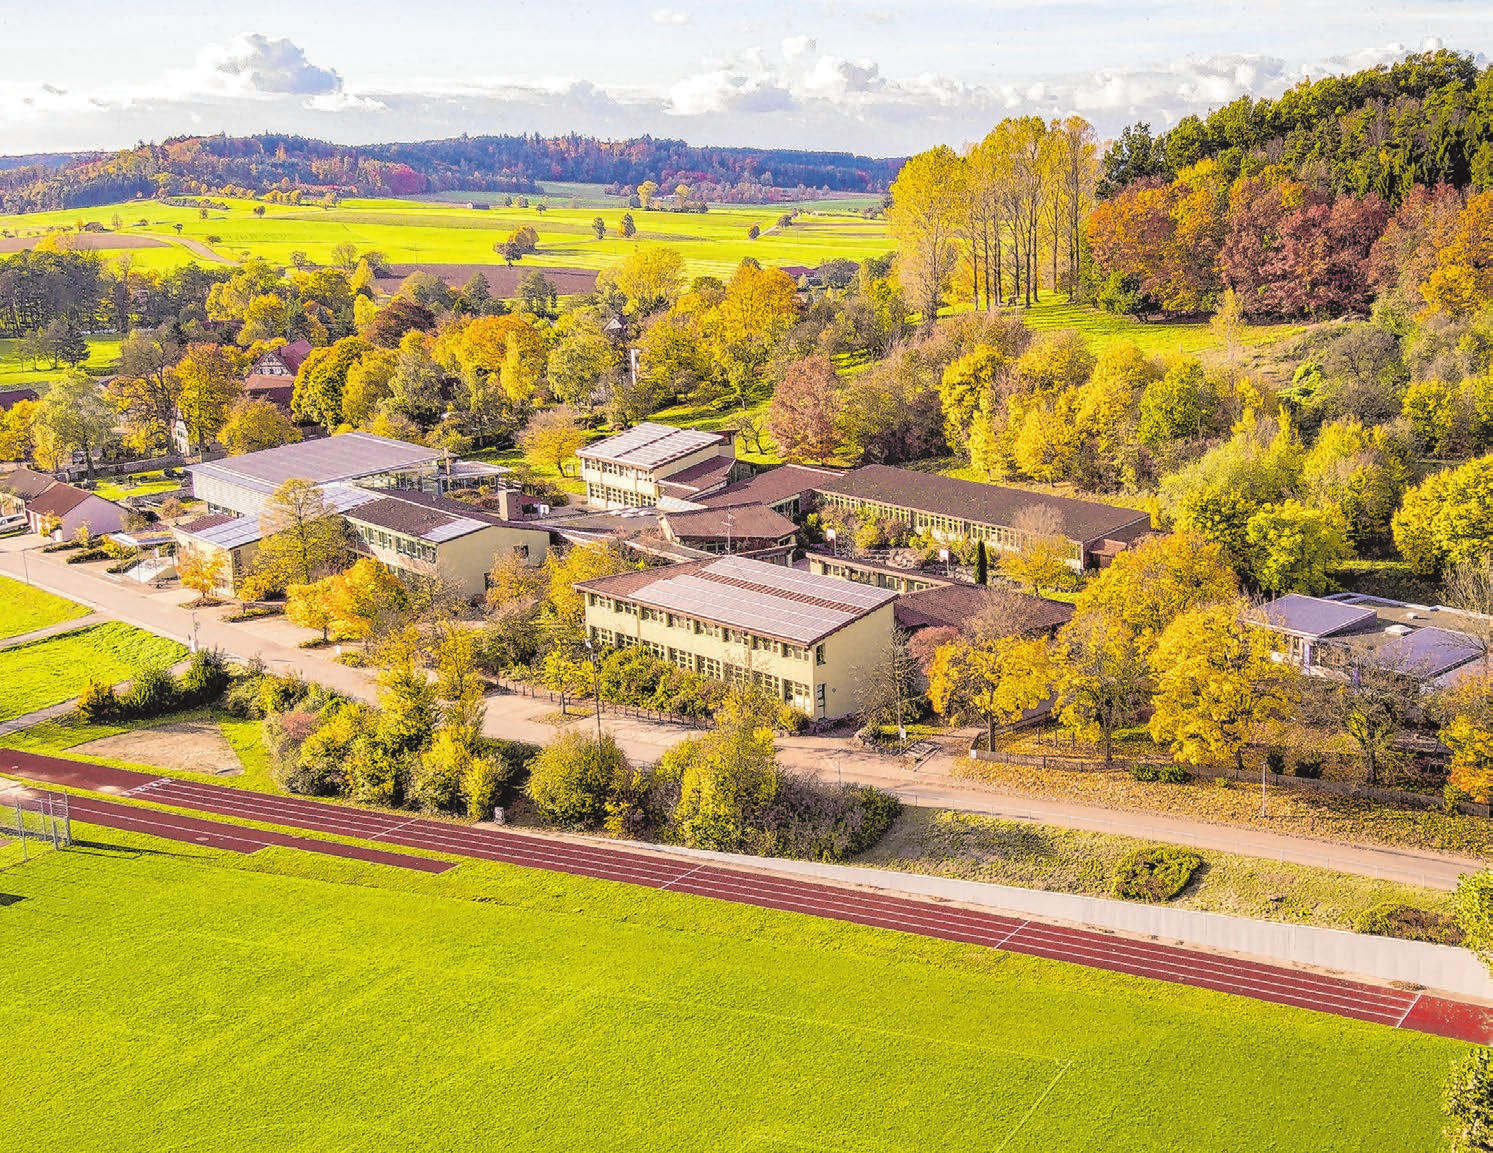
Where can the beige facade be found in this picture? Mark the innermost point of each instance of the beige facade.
(633, 469)
(461, 564)
(818, 672)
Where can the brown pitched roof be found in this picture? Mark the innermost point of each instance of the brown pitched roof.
(432, 518)
(59, 500)
(747, 521)
(772, 486)
(27, 483)
(13, 395)
(954, 605)
(294, 353)
(275, 389)
(1083, 520)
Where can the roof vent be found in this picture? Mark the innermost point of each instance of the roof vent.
(1399, 630)
(1412, 616)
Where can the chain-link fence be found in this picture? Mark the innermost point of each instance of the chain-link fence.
(31, 817)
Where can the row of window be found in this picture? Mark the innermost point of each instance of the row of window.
(945, 526)
(703, 628)
(400, 545)
(787, 690)
(622, 496)
(611, 468)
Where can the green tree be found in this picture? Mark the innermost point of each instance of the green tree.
(1448, 517)
(1468, 1098)
(727, 778)
(1171, 409)
(575, 776)
(322, 379)
(77, 415)
(1293, 547)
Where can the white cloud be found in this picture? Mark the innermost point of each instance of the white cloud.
(254, 63)
(670, 16)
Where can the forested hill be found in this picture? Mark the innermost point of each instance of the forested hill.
(287, 164)
(1426, 120)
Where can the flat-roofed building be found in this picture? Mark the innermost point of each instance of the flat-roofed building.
(243, 485)
(658, 465)
(953, 509)
(434, 538)
(1433, 645)
(233, 540)
(806, 639)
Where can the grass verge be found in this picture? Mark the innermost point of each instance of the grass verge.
(50, 671)
(24, 609)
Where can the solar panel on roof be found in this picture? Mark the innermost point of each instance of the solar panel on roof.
(648, 445)
(1428, 652)
(797, 582)
(1314, 616)
(786, 620)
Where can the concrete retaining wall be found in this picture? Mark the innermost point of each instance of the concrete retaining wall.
(1381, 958)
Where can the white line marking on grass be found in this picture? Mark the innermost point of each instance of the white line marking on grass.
(1037, 1104)
(1408, 1008)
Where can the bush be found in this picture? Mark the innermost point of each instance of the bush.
(1275, 761)
(1468, 1102)
(1164, 774)
(791, 720)
(1473, 907)
(97, 704)
(1309, 768)
(1391, 919)
(203, 680)
(1155, 875)
(572, 780)
(152, 693)
(90, 554)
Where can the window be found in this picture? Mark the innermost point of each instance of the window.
(796, 694)
(819, 654)
(656, 649)
(794, 652)
(708, 667)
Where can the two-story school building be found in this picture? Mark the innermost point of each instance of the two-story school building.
(808, 640)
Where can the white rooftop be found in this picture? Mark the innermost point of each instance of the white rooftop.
(649, 445)
(348, 456)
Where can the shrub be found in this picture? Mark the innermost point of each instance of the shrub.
(152, 693)
(573, 778)
(817, 822)
(1309, 768)
(792, 720)
(1408, 923)
(1473, 907)
(89, 554)
(1468, 1102)
(203, 680)
(97, 704)
(1275, 761)
(1155, 875)
(1163, 774)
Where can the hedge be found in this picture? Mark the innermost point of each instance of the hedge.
(1408, 923)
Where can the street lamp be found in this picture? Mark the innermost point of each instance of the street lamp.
(829, 534)
(595, 685)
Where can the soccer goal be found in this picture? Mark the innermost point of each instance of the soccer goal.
(32, 817)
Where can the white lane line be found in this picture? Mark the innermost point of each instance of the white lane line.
(1406, 1014)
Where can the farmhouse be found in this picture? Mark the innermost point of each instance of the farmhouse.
(806, 639)
(20, 486)
(657, 465)
(960, 509)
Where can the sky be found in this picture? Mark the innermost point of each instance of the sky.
(870, 76)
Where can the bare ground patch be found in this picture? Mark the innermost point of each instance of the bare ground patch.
(184, 746)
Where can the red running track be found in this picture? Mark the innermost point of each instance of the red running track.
(1262, 982)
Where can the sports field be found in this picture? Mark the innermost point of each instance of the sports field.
(170, 996)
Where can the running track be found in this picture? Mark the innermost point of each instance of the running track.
(1297, 988)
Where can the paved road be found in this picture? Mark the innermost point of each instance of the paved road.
(518, 717)
(1241, 977)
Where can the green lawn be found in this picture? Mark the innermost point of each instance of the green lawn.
(168, 996)
(50, 671)
(24, 609)
(140, 484)
(103, 356)
(1156, 338)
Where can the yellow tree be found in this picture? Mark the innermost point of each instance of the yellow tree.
(1041, 560)
(581, 563)
(208, 378)
(201, 570)
(253, 424)
(551, 438)
(998, 679)
(306, 605)
(1149, 585)
(364, 598)
(1462, 284)
(1101, 677)
(302, 536)
(925, 216)
(1468, 732)
(755, 310)
(650, 278)
(1218, 680)
(18, 430)
(512, 578)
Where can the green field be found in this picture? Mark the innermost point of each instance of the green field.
(409, 231)
(139, 484)
(103, 355)
(1155, 338)
(50, 671)
(170, 997)
(24, 609)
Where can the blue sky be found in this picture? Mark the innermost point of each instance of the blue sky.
(872, 76)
